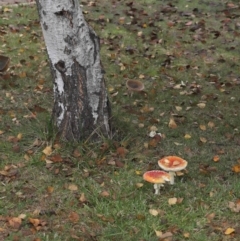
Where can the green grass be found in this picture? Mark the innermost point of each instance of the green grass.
(95, 191)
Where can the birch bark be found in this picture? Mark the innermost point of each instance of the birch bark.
(81, 107)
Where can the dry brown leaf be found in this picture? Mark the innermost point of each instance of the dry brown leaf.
(203, 127)
(211, 124)
(186, 235)
(187, 136)
(82, 198)
(22, 216)
(172, 201)
(179, 173)
(203, 139)
(189, 23)
(121, 151)
(48, 150)
(153, 212)
(201, 105)
(216, 158)
(139, 185)
(172, 124)
(158, 233)
(166, 235)
(72, 187)
(50, 189)
(105, 193)
(178, 108)
(210, 217)
(76, 153)
(229, 231)
(37, 142)
(34, 221)
(178, 87)
(15, 222)
(26, 157)
(118, 163)
(73, 217)
(56, 158)
(19, 136)
(236, 168)
(234, 207)
(178, 144)
(179, 200)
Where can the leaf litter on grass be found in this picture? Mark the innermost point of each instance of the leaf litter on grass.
(186, 56)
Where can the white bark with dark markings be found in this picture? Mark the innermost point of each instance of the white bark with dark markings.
(81, 105)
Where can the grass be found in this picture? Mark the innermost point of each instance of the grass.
(188, 58)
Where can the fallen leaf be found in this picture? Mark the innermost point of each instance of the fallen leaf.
(172, 201)
(186, 235)
(234, 207)
(105, 194)
(121, 151)
(73, 217)
(179, 200)
(178, 108)
(153, 212)
(72, 187)
(236, 168)
(211, 124)
(177, 143)
(201, 105)
(82, 198)
(158, 233)
(50, 189)
(15, 222)
(187, 136)
(203, 127)
(229, 231)
(189, 23)
(172, 124)
(76, 153)
(139, 184)
(48, 150)
(138, 172)
(165, 235)
(22, 216)
(34, 221)
(203, 139)
(216, 158)
(140, 217)
(56, 158)
(210, 217)
(119, 163)
(19, 136)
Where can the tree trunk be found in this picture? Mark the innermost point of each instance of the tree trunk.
(81, 108)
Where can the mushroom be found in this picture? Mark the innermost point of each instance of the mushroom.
(4, 62)
(172, 164)
(134, 86)
(157, 177)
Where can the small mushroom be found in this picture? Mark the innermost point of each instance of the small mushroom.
(134, 86)
(172, 164)
(157, 177)
(4, 63)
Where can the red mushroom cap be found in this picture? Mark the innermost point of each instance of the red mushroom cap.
(156, 176)
(172, 163)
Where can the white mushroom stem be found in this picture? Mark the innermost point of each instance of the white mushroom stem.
(172, 174)
(157, 187)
